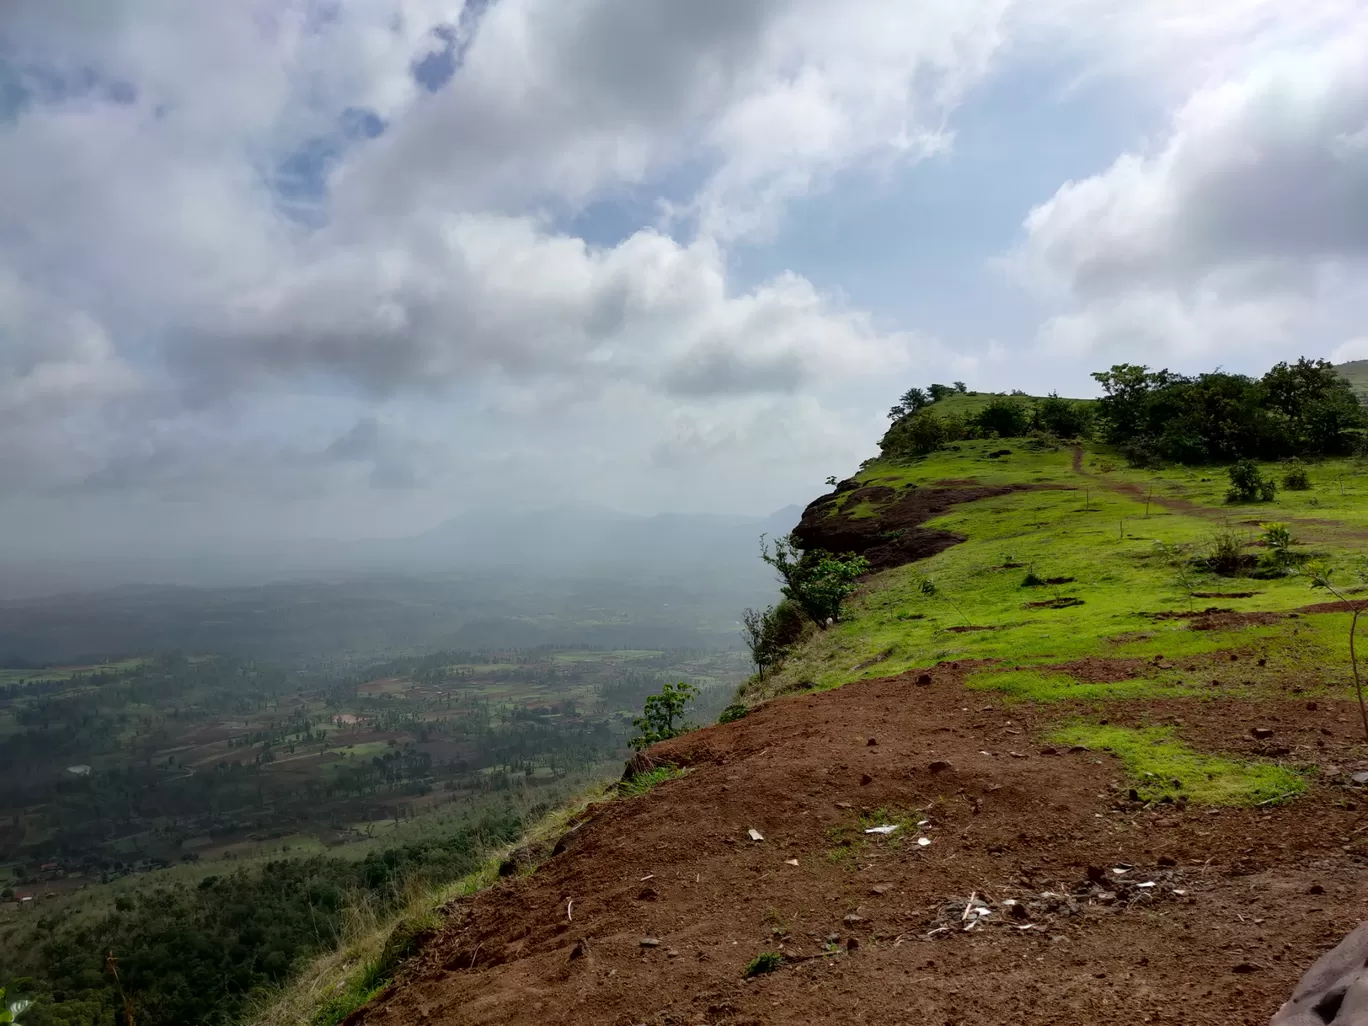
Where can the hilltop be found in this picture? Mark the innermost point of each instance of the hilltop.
(1079, 749)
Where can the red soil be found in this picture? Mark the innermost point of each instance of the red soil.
(872, 928)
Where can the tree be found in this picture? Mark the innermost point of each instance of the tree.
(1321, 577)
(1004, 416)
(657, 722)
(911, 401)
(939, 392)
(961, 387)
(816, 581)
(919, 434)
(1247, 483)
(770, 634)
(1063, 417)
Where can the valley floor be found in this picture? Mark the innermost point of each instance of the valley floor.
(1100, 908)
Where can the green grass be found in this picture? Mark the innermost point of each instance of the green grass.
(1163, 767)
(1053, 686)
(644, 782)
(1099, 537)
(765, 962)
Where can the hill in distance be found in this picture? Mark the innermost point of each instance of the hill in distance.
(1072, 755)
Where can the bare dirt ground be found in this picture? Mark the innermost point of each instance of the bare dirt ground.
(654, 906)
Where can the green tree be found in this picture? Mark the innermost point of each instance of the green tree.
(1063, 417)
(770, 634)
(1248, 483)
(816, 581)
(1004, 416)
(658, 719)
(939, 392)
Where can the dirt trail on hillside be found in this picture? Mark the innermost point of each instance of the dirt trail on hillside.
(1309, 525)
(652, 908)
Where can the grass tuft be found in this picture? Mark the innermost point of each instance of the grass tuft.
(1165, 768)
(643, 782)
(765, 962)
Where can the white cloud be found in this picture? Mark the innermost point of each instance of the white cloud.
(1238, 234)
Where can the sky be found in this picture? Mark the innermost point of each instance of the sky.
(286, 269)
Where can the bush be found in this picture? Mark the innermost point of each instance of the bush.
(816, 582)
(918, 434)
(657, 722)
(732, 713)
(1248, 484)
(765, 962)
(1064, 418)
(1278, 555)
(1295, 478)
(770, 635)
(1004, 416)
(1225, 553)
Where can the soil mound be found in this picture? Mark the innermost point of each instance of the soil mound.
(1044, 895)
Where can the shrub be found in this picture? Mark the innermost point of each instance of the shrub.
(1295, 478)
(1225, 553)
(770, 635)
(1032, 579)
(1004, 416)
(1064, 418)
(657, 722)
(1278, 555)
(815, 581)
(732, 713)
(765, 962)
(1248, 483)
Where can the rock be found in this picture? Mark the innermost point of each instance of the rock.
(924, 679)
(865, 778)
(1315, 889)
(852, 917)
(852, 944)
(648, 894)
(1107, 897)
(881, 888)
(872, 741)
(1247, 967)
(672, 953)
(1097, 874)
(941, 766)
(1360, 778)
(1167, 861)
(650, 942)
(580, 949)
(1049, 751)
(1336, 986)
(1262, 733)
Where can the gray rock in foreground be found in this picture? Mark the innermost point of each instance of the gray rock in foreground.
(1334, 991)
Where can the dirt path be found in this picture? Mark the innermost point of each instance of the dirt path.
(1312, 528)
(655, 906)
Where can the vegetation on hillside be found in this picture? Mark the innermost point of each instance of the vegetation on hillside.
(202, 953)
(1302, 409)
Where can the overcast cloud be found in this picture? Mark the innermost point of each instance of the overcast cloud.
(343, 268)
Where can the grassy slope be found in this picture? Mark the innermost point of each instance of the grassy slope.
(1080, 528)
(1078, 525)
